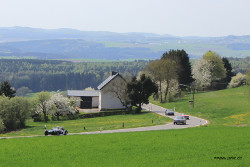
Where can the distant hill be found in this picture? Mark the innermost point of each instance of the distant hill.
(72, 44)
(72, 49)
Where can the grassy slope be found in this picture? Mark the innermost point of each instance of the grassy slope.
(183, 147)
(92, 124)
(224, 107)
(186, 147)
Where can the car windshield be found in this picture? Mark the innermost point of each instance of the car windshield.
(180, 117)
(169, 110)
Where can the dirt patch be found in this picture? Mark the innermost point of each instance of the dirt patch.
(239, 125)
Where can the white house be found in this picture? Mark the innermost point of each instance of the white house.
(103, 99)
(107, 98)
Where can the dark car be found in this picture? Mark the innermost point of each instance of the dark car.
(56, 131)
(169, 112)
(180, 120)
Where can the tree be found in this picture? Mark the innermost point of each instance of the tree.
(60, 105)
(6, 89)
(155, 69)
(218, 71)
(202, 74)
(228, 67)
(163, 71)
(223, 83)
(89, 88)
(183, 65)
(42, 99)
(2, 127)
(23, 91)
(248, 81)
(139, 91)
(13, 112)
(169, 74)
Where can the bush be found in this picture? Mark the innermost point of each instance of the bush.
(2, 127)
(237, 80)
(13, 112)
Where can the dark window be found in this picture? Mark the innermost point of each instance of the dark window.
(86, 102)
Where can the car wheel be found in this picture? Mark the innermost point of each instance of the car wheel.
(46, 133)
(66, 133)
(57, 133)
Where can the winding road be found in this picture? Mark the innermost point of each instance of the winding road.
(192, 122)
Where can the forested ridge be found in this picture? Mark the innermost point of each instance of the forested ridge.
(240, 64)
(52, 75)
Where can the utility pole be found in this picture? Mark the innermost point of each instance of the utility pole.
(193, 98)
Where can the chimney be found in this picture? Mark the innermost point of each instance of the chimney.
(114, 73)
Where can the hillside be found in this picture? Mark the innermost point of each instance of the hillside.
(72, 44)
(224, 107)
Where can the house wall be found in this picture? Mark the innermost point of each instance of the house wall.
(108, 100)
(95, 102)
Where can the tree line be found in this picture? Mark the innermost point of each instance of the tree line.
(240, 64)
(52, 75)
(173, 73)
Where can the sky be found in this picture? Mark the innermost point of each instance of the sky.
(174, 17)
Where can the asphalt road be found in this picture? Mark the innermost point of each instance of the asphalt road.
(192, 122)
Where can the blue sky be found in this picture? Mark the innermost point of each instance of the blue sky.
(175, 17)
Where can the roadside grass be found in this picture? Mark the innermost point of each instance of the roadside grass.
(92, 124)
(223, 107)
(182, 147)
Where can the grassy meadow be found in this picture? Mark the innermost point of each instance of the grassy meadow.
(92, 124)
(184, 147)
(223, 107)
(225, 142)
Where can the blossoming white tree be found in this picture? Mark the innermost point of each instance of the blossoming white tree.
(237, 80)
(56, 104)
(60, 105)
(202, 73)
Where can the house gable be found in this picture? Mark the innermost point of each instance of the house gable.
(107, 99)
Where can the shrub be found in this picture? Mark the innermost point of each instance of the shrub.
(2, 127)
(237, 80)
(13, 112)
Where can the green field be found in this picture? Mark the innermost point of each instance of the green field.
(92, 124)
(225, 142)
(184, 147)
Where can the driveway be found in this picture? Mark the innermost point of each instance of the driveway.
(192, 122)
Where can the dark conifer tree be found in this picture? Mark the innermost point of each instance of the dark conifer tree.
(6, 89)
(184, 69)
(228, 67)
(140, 90)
